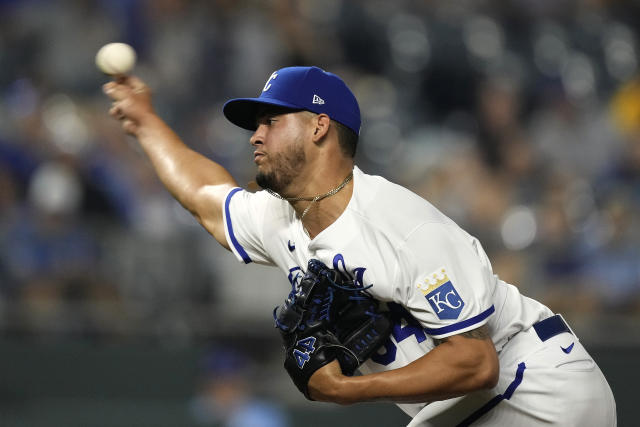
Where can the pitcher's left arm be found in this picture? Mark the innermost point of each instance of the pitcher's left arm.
(458, 365)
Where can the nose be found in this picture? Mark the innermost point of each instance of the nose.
(257, 137)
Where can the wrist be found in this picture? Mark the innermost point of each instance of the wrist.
(343, 391)
(148, 117)
(334, 390)
(148, 123)
(328, 384)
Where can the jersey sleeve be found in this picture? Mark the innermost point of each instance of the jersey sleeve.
(244, 222)
(447, 280)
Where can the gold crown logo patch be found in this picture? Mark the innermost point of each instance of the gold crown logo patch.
(434, 280)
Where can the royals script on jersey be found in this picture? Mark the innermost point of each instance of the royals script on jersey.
(435, 278)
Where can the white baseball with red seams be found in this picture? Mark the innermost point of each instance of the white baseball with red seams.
(116, 59)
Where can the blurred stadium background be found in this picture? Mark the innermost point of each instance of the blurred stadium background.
(520, 119)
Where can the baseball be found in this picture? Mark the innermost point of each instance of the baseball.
(116, 58)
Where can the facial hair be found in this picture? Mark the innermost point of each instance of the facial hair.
(284, 168)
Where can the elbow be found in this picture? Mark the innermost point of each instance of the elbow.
(483, 369)
(490, 378)
(488, 373)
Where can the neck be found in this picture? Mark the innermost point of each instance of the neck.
(321, 201)
(322, 213)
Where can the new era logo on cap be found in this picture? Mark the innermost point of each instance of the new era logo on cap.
(297, 88)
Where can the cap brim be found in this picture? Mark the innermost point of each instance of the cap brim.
(243, 112)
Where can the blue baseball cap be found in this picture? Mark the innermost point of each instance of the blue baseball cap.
(299, 88)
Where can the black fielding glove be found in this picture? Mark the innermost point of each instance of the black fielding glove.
(323, 320)
(362, 328)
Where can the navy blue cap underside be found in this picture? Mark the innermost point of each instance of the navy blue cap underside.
(243, 112)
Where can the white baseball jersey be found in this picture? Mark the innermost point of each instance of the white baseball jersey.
(435, 278)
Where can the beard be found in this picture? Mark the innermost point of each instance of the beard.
(283, 169)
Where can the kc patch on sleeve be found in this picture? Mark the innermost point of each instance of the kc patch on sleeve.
(442, 295)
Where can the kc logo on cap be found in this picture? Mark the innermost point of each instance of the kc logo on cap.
(299, 88)
(267, 85)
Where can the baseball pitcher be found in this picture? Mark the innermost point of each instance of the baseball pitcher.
(381, 281)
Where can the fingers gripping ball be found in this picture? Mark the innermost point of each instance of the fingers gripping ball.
(313, 324)
(116, 59)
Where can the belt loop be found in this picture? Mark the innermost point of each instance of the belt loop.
(550, 327)
(568, 325)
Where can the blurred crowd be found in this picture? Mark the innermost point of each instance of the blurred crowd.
(519, 119)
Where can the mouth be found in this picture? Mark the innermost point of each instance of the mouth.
(257, 156)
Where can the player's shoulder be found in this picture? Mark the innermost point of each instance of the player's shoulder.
(260, 203)
(392, 206)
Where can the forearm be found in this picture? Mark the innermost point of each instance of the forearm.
(183, 171)
(456, 367)
(441, 374)
(198, 183)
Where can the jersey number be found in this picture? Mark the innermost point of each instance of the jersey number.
(399, 317)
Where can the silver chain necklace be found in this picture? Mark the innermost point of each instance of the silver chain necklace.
(312, 199)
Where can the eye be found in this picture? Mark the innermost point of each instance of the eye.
(271, 120)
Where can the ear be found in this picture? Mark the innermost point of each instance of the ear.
(321, 124)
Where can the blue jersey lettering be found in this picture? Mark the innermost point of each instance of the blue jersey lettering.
(399, 316)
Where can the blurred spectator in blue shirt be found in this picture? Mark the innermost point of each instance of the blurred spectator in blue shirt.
(225, 397)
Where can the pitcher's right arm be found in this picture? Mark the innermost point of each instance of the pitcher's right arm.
(198, 183)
